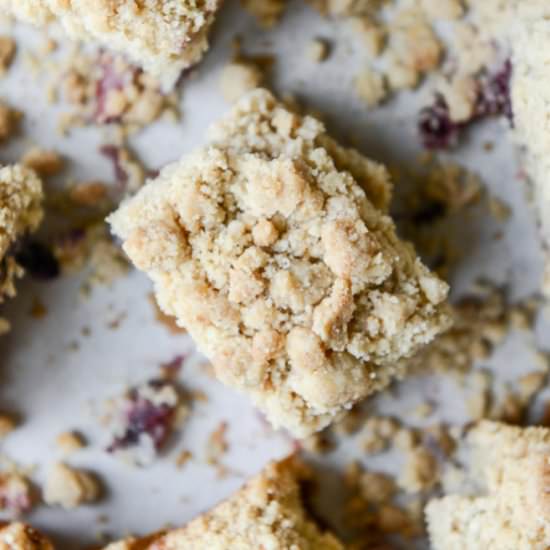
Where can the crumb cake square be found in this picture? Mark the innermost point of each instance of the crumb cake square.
(268, 512)
(20, 214)
(510, 510)
(162, 36)
(273, 248)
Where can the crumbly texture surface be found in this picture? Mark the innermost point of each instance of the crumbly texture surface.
(20, 213)
(162, 36)
(272, 247)
(18, 536)
(510, 510)
(268, 512)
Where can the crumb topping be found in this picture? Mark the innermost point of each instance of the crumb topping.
(270, 248)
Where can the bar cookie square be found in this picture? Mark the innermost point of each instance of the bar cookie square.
(272, 246)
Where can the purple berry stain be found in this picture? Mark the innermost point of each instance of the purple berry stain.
(438, 131)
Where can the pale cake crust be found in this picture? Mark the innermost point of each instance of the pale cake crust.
(510, 466)
(266, 248)
(20, 214)
(162, 36)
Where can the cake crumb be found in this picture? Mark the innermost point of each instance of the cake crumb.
(317, 50)
(183, 458)
(217, 445)
(88, 193)
(70, 487)
(9, 119)
(70, 442)
(239, 77)
(17, 495)
(370, 86)
(7, 425)
(372, 34)
(44, 163)
(421, 471)
(7, 53)
(267, 12)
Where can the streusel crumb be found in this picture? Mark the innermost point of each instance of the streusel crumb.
(43, 162)
(313, 322)
(69, 487)
(69, 442)
(509, 469)
(163, 36)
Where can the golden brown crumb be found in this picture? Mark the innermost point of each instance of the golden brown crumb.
(317, 50)
(9, 118)
(44, 163)
(268, 12)
(69, 487)
(38, 309)
(168, 321)
(421, 471)
(69, 442)
(183, 458)
(217, 445)
(7, 53)
(7, 425)
(88, 193)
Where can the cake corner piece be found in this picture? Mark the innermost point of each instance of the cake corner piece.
(273, 247)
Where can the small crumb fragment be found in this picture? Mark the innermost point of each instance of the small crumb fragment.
(267, 12)
(17, 496)
(44, 163)
(7, 425)
(317, 50)
(217, 445)
(70, 487)
(7, 53)
(183, 458)
(70, 442)
(500, 211)
(371, 33)
(38, 309)
(371, 87)
(143, 419)
(88, 193)
(239, 77)
(9, 119)
(421, 471)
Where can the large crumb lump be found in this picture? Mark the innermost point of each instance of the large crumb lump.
(272, 247)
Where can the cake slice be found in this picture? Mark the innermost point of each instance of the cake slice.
(272, 247)
(268, 512)
(162, 36)
(510, 510)
(20, 214)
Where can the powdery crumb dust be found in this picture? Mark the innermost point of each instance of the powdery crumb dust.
(163, 36)
(272, 247)
(509, 508)
(70, 487)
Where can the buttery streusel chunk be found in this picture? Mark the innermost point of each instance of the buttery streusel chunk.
(272, 246)
(20, 213)
(268, 512)
(162, 36)
(510, 468)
